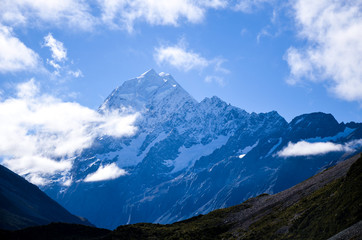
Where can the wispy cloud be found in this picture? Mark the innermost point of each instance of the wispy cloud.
(185, 59)
(333, 53)
(59, 52)
(248, 6)
(40, 134)
(75, 14)
(180, 57)
(14, 55)
(216, 79)
(108, 172)
(303, 148)
(78, 73)
(120, 13)
(59, 60)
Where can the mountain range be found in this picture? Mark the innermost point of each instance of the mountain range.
(189, 158)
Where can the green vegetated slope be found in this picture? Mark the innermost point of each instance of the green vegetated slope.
(319, 215)
(317, 208)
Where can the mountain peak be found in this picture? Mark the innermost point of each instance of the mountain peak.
(150, 72)
(318, 124)
(320, 117)
(150, 87)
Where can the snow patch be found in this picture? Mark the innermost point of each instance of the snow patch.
(163, 74)
(274, 147)
(128, 155)
(248, 148)
(339, 135)
(188, 156)
(299, 120)
(168, 163)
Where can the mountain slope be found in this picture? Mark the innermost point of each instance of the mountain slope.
(326, 205)
(189, 158)
(22, 204)
(317, 208)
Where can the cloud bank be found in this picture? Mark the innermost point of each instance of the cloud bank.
(40, 134)
(108, 172)
(124, 13)
(333, 53)
(75, 14)
(303, 148)
(78, 14)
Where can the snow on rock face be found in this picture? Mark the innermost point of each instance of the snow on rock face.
(188, 156)
(150, 87)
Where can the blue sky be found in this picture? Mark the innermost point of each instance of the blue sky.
(294, 57)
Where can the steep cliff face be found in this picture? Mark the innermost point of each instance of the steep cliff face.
(189, 158)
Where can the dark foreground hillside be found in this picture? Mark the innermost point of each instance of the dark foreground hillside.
(23, 204)
(56, 231)
(328, 205)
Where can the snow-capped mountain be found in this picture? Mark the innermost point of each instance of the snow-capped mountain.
(190, 157)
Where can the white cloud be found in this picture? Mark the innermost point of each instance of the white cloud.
(80, 14)
(125, 13)
(52, 63)
(78, 73)
(181, 58)
(248, 6)
(184, 59)
(217, 79)
(14, 55)
(59, 59)
(27, 89)
(217, 4)
(59, 53)
(108, 172)
(72, 13)
(263, 33)
(333, 30)
(40, 134)
(303, 148)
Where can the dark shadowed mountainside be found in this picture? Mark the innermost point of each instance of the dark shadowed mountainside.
(23, 204)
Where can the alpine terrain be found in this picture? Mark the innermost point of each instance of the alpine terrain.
(189, 158)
